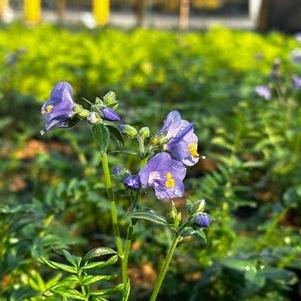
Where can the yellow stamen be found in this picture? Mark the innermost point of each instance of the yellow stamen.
(170, 182)
(49, 108)
(193, 150)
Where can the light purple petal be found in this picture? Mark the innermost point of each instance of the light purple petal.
(165, 175)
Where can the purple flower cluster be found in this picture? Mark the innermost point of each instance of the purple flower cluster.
(60, 108)
(165, 171)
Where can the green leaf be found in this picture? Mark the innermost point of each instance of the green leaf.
(102, 137)
(74, 260)
(108, 291)
(255, 278)
(201, 235)
(150, 215)
(115, 133)
(68, 282)
(101, 264)
(69, 293)
(238, 264)
(189, 206)
(58, 266)
(90, 279)
(187, 231)
(97, 252)
(53, 281)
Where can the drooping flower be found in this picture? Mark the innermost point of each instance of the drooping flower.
(202, 220)
(182, 141)
(264, 91)
(58, 109)
(296, 82)
(132, 182)
(110, 114)
(165, 175)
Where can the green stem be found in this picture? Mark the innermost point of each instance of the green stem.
(111, 196)
(127, 246)
(164, 267)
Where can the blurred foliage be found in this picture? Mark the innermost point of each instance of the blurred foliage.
(52, 194)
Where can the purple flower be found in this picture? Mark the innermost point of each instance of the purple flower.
(264, 91)
(110, 114)
(296, 56)
(183, 141)
(296, 82)
(165, 175)
(132, 182)
(58, 110)
(202, 220)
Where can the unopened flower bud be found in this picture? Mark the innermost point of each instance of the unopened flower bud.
(132, 182)
(202, 205)
(202, 220)
(144, 132)
(175, 215)
(109, 98)
(98, 101)
(93, 118)
(128, 130)
(77, 108)
(110, 114)
(83, 113)
(120, 173)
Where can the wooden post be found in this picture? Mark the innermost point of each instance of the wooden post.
(184, 14)
(3, 9)
(139, 11)
(60, 9)
(32, 11)
(101, 11)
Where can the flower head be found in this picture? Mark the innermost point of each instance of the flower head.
(182, 141)
(110, 114)
(58, 110)
(165, 175)
(202, 220)
(296, 82)
(132, 182)
(264, 91)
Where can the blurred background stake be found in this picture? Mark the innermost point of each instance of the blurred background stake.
(32, 11)
(101, 11)
(3, 9)
(61, 9)
(184, 14)
(139, 11)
